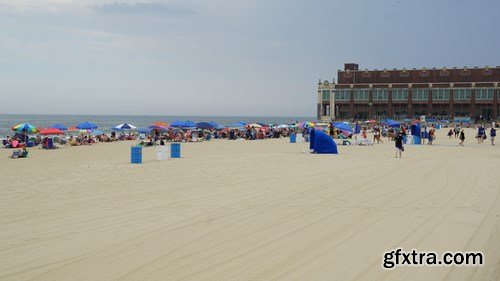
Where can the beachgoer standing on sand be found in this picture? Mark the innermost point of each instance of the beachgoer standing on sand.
(481, 133)
(493, 134)
(462, 138)
(376, 135)
(450, 133)
(431, 136)
(457, 131)
(399, 144)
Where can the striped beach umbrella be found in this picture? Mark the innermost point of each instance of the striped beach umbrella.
(125, 126)
(24, 128)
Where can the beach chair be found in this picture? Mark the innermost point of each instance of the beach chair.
(15, 154)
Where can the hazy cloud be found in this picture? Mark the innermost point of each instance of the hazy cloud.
(145, 8)
(220, 57)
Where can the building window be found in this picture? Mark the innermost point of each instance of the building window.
(399, 94)
(462, 94)
(484, 94)
(326, 94)
(361, 94)
(420, 94)
(440, 94)
(342, 95)
(380, 94)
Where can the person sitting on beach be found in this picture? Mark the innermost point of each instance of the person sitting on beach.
(45, 143)
(7, 143)
(72, 141)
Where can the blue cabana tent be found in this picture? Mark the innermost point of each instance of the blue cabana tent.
(323, 143)
(312, 133)
(415, 130)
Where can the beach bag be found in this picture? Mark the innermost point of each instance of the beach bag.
(484, 136)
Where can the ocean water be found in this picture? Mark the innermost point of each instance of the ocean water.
(106, 122)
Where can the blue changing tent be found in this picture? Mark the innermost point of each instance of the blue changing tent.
(322, 143)
(312, 141)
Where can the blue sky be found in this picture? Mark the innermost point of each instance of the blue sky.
(215, 57)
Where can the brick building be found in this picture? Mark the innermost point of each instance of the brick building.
(405, 93)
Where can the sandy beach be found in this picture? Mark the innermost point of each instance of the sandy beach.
(248, 210)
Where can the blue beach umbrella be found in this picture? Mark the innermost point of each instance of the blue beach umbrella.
(59, 126)
(178, 123)
(189, 124)
(343, 126)
(214, 124)
(86, 126)
(237, 125)
(204, 125)
(154, 127)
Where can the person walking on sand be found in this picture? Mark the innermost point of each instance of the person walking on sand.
(450, 133)
(462, 138)
(457, 131)
(481, 133)
(493, 134)
(398, 140)
(430, 136)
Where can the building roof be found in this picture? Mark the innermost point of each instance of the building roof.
(423, 75)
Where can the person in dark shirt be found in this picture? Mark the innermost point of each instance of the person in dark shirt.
(399, 144)
(462, 138)
(493, 134)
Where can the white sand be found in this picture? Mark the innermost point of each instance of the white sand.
(262, 210)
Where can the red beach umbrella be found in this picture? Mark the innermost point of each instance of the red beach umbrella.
(51, 131)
